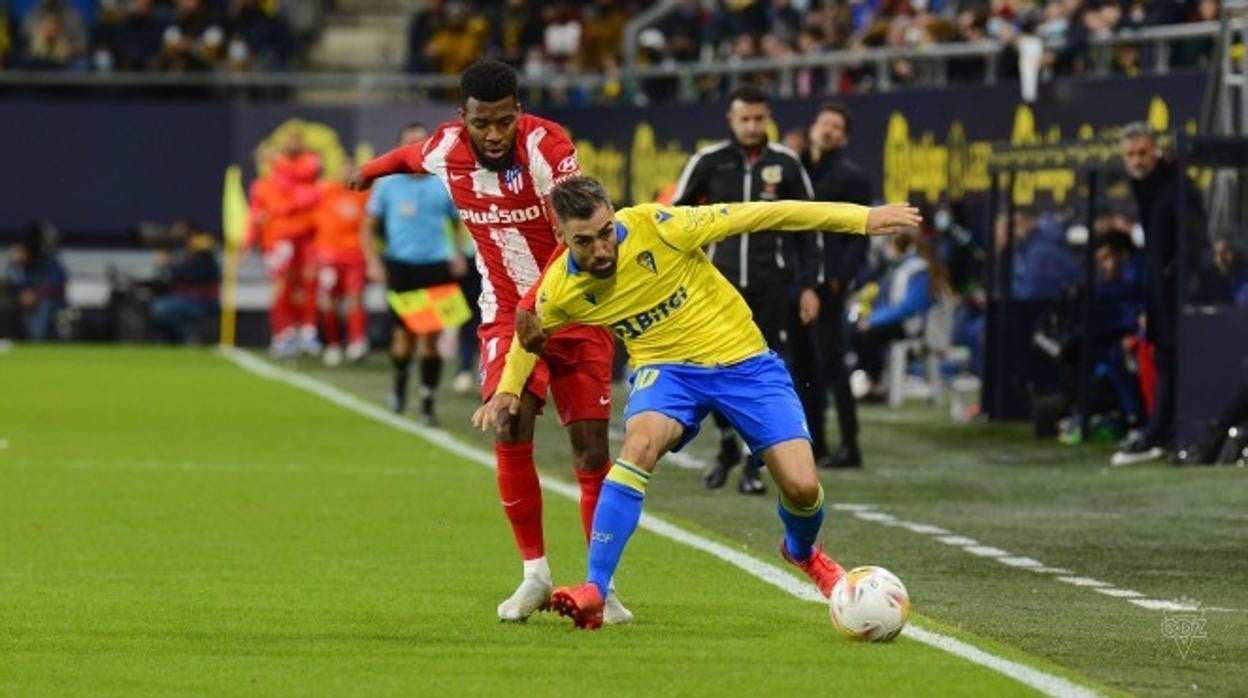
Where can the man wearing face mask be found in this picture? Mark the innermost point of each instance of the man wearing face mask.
(768, 269)
(820, 349)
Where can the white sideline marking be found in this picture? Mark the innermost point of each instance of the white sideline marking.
(1045, 683)
(957, 540)
(986, 551)
(1083, 581)
(867, 512)
(4, 443)
(924, 529)
(1159, 605)
(1119, 593)
(1023, 562)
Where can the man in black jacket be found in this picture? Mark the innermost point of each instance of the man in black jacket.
(769, 269)
(819, 350)
(1155, 184)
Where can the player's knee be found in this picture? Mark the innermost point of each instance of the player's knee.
(803, 490)
(591, 458)
(641, 448)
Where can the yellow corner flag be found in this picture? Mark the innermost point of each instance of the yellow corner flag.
(234, 227)
(429, 310)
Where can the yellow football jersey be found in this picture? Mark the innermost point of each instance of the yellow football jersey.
(666, 301)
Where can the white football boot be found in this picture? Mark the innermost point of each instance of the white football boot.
(532, 595)
(613, 610)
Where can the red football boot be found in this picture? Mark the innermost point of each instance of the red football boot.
(583, 604)
(821, 569)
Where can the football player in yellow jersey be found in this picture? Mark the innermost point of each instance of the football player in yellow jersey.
(693, 345)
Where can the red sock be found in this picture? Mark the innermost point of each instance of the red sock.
(307, 311)
(329, 318)
(357, 324)
(521, 495)
(279, 314)
(591, 485)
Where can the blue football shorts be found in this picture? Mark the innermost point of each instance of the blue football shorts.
(755, 395)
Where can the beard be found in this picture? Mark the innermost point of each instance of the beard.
(494, 164)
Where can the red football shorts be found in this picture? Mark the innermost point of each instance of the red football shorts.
(575, 368)
(289, 255)
(341, 276)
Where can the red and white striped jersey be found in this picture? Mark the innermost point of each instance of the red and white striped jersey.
(506, 212)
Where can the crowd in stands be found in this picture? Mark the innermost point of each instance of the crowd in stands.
(229, 36)
(542, 39)
(550, 39)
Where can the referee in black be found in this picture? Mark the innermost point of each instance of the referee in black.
(819, 350)
(771, 270)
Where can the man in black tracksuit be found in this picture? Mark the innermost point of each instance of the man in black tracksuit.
(819, 350)
(771, 270)
(1155, 185)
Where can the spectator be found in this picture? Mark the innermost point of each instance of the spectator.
(258, 39)
(561, 40)
(6, 37)
(36, 279)
(685, 31)
(420, 33)
(194, 41)
(194, 282)
(460, 41)
(1117, 301)
(1042, 263)
(517, 31)
(810, 81)
(1155, 186)
(1225, 280)
(55, 36)
(603, 35)
(785, 21)
(906, 292)
(138, 38)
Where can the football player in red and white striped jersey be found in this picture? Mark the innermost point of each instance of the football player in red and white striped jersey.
(500, 165)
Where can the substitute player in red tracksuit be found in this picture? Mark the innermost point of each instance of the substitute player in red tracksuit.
(340, 260)
(500, 165)
(282, 206)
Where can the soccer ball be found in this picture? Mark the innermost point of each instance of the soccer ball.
(869, 603)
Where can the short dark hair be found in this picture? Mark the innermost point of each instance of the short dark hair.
(840, 108)
(488, 81)
(748, 93)
(578, 197)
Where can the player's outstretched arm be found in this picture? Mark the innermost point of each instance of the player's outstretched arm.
(698, 226)
(892, 218)
(402, 160)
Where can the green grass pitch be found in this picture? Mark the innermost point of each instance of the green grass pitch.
(174, 525)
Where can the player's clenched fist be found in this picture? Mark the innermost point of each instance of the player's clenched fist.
(892, 218)
(497, 412)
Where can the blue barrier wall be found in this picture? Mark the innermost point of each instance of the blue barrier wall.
(96, 168)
